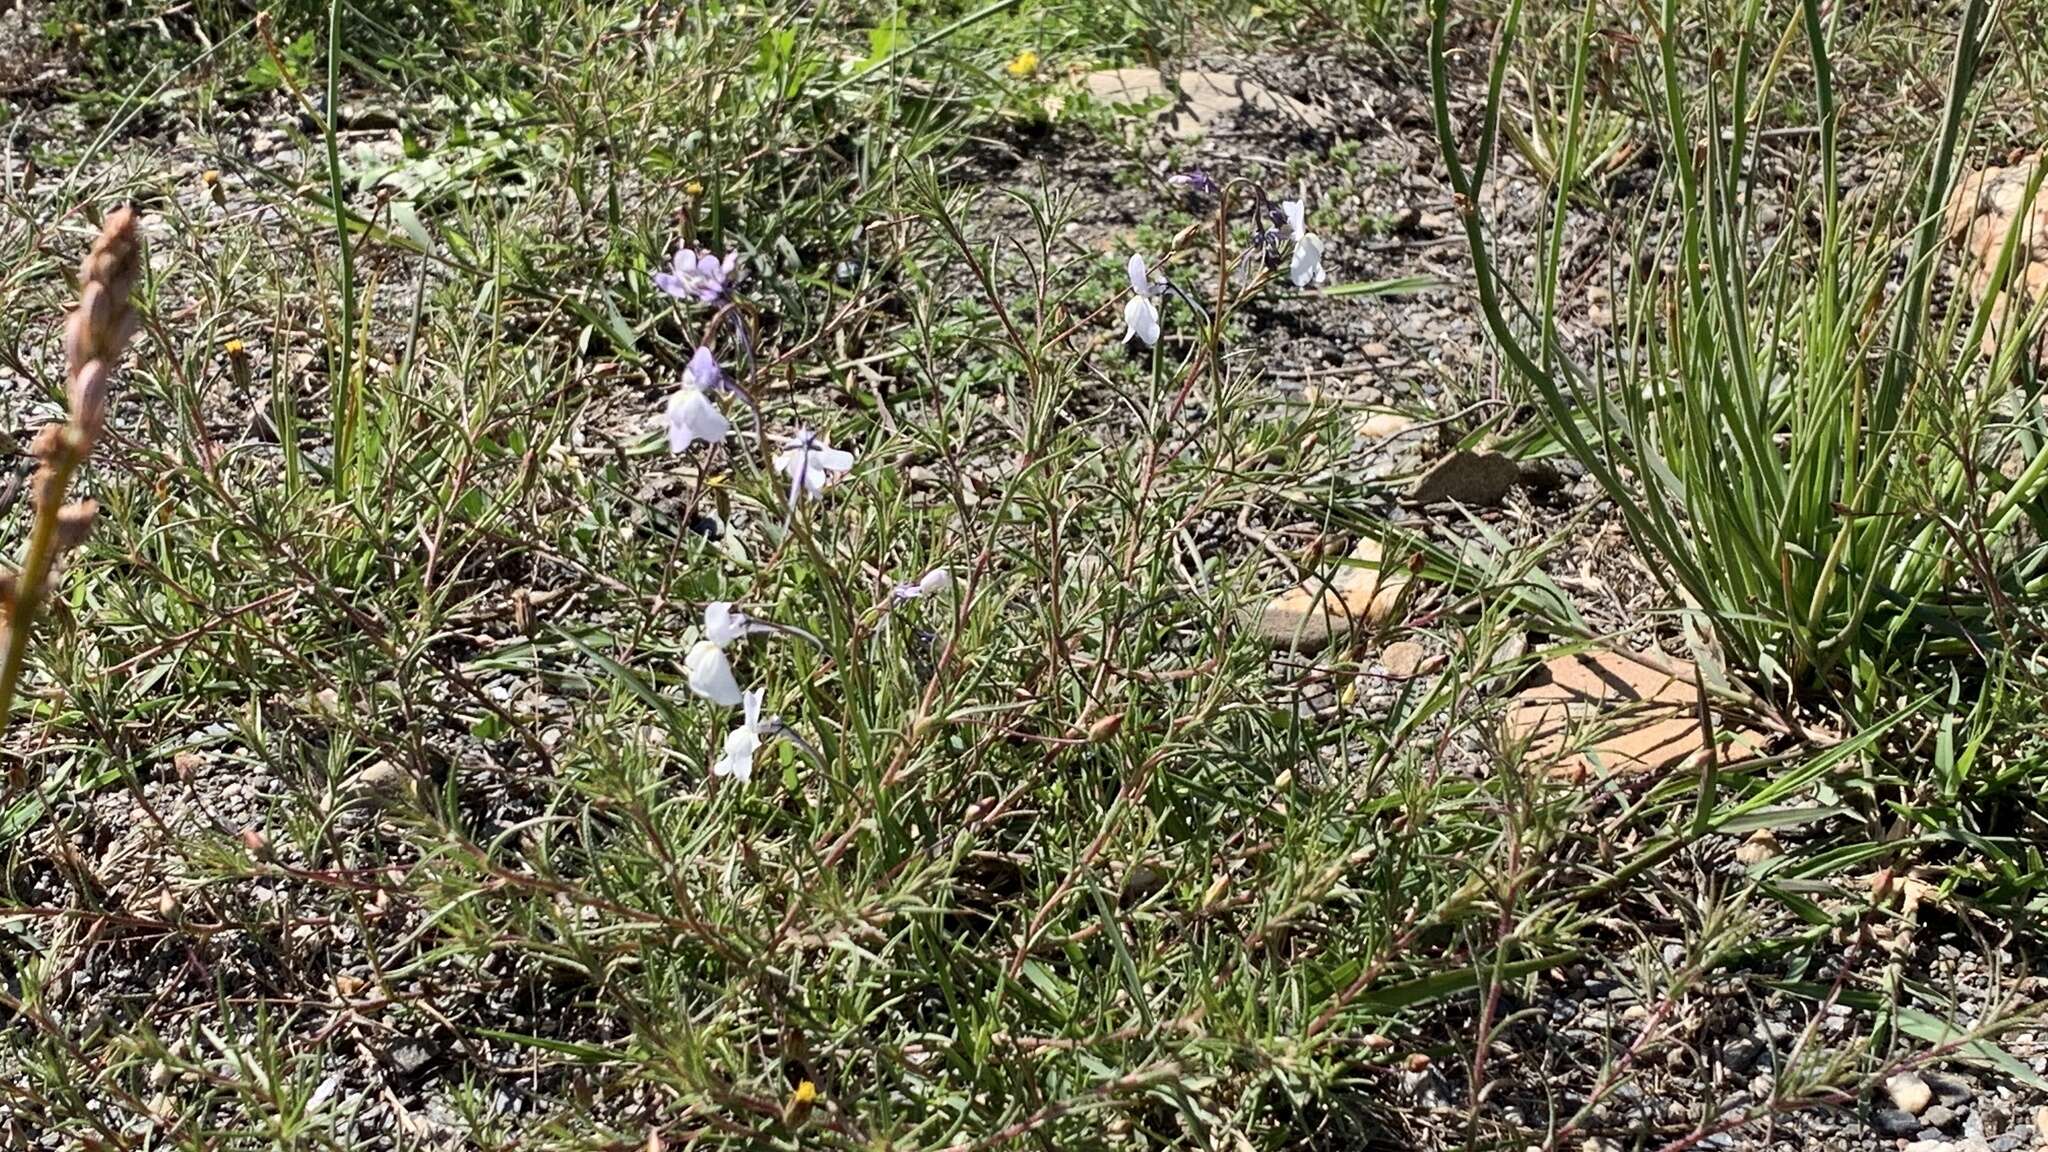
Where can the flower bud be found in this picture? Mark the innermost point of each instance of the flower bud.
(88, 398)
(257, 843)
(74, 523)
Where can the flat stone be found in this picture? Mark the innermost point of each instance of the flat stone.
(1383, 426)
(1894, 1122)
(1403, 659)
(381, 781)
(1306, 617)
(1600, 713)
(1481, 479)
(1198, 100)
(1950, 1090)
(1982, 211)
(1938, 1116)
(1760, 846)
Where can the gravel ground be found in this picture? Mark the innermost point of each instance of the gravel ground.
(1720, 1044)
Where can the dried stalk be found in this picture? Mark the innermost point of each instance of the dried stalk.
(94, 338)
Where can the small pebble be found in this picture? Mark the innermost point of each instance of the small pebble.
(1908, 1093)
(1895, 1122)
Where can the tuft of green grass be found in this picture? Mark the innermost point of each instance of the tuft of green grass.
(1811, 453)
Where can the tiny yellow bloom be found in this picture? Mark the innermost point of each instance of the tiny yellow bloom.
(694, 188)
(235, 347)
(210, 177)
(1024, 66)
(799, 1107)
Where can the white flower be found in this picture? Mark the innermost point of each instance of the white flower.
(1307, 266)
(1297, 218)
(1141, 277)
(691, 415)
(930, 584)
(1141, 321)
(1141, 315)
(710, 674)
(722, 625)
(810, 463)
(741, 743)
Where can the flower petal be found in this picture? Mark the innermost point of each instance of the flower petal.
(1297, 217)
(710, 674)
(1307, 267)
(692, 417)
(722, 625)
(1141, 280)
(703, 371)
(831, 459)
(1141, 321)
(738, 761)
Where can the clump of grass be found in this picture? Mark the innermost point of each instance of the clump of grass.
(1807, 449)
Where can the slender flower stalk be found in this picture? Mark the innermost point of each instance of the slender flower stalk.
(94, 338)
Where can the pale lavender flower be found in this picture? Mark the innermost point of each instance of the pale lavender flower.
(723, 626)
(1295, 213)
(703, 372)
(810, 463)
(699, 276)
(1307, 265)
(742, 742)
(1194, 180)
(691, 414)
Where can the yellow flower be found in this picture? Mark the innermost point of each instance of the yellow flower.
(694, 188)
(235, 347)
(210, 177)
(1024, 66)
(800, 1100)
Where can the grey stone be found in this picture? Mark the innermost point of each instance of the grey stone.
(1478, 478)
(1895, 1122)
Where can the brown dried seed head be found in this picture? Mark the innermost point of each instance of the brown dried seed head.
(104, 321)
(115, 254)
(48, 441)
(74, 523)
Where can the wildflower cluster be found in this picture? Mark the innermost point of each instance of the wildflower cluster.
(805, 458)
(1302, 249)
